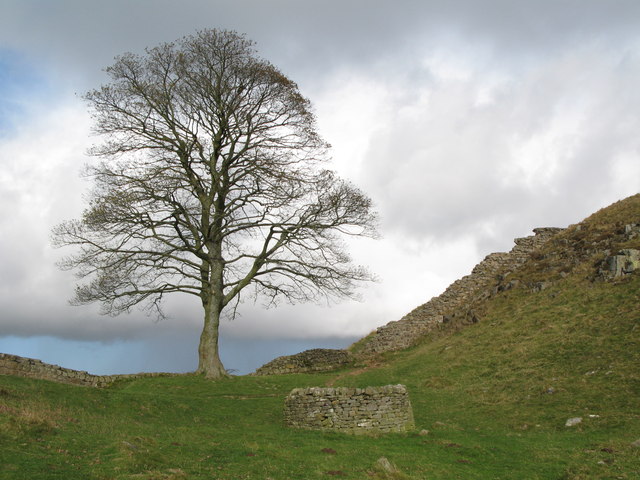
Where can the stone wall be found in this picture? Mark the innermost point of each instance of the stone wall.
(309, 361)
(32, 368)
(350, 410)
(458, 297)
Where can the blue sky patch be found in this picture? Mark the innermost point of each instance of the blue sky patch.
(20, 84)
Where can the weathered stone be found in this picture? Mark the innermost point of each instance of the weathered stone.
(623, 263)
(33, 368)
(540, 286)
(572, 422)
(386, 466)
(373, 409)
(315, 360)
(632, 230)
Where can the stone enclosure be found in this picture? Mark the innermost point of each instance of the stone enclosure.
(350, 410)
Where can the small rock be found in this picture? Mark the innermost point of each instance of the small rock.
(636, 444)
(540, 286)
(424, 433)
(386, 466)
(551, 390)
(572, 422)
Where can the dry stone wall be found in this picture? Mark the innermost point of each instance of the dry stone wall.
(350, 410)
(33, 368)
(316, 360)
(459, 296)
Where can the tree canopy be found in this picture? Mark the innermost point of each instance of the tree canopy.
(211, 179)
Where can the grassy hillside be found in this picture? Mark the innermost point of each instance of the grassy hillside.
(494, 397)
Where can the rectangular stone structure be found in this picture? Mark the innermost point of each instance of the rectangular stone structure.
(350, 410)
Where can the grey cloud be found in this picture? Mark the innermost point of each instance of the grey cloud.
(545, 141)
(311, 36)
(444, 157)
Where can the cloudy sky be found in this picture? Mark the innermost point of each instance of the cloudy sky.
(468, 122)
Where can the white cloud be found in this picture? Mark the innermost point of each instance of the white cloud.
(39, 187)
(442, 163)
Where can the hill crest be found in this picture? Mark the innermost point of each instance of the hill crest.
(603, 247)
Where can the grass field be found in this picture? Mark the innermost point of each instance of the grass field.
(494, 397)
(483, 394)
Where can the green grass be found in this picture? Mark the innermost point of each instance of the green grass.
(172, 428)
(489, 383)
(494, 396)
(481, 392)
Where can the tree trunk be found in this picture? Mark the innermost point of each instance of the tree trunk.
(209, 363)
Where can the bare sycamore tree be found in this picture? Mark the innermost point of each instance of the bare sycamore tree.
(211, 180)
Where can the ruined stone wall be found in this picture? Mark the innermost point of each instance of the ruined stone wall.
(32, 368)
(309, 361)
(350, 410)
(460, 295)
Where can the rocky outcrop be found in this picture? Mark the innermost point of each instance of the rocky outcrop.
(458, 299)
(33, 368)
(309, 361)
(350, 410)
(626, 261)
(632, 230)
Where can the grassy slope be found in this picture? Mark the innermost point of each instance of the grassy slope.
(482, 392)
